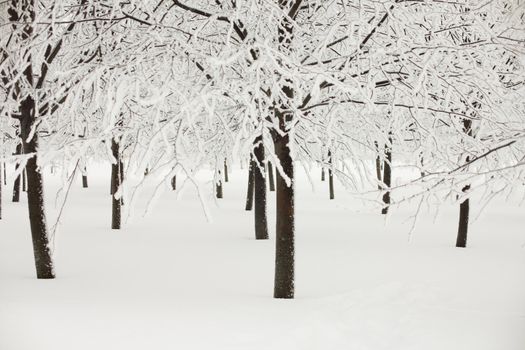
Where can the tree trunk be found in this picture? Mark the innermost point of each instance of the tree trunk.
(35, 193)
(422, 164)
(84, 181)
(387, 176)
(5, 175)
(261, 224)
(121, 177)
(271, 177)
(24, 181)
(464, 208)
(378, 168)
(285, 222)
(174, 182)
(331, 176)
(115, 184)
(218, 186)
(251, 179)
(16, 184)
(225, 171)
(322, 174)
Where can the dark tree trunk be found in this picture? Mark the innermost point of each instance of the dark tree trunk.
(378, 168)
(261, 223)
(464, 208)
(35, 193)
(225, 171)
(271, 177)
(84, 181)
(251, 179)
(174, 182)
(5, 175)
(218, 186)
(16, 184)
(331, 176)
(115, 184)
(422, 163)
(121, 177)
(387, 176)
(24, 181)
(25, 13)
(285, 222)
(322, 174)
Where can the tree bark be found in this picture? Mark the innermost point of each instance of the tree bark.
(285, 222)
(331, 176)
(16, 184)
(226, 179)
(378, 168)
(5, 175)
(24, 181)
(271, 177)
(251, 180)
(174, 182)
(387, 176)
(84, 181)
(464, 208)
(121, 177)
(261, 223)
(25, 13)
(115, 184)
(35, 193)
(218, 186)
(322, 174)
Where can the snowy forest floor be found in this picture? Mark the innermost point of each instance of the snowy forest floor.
(172, 280)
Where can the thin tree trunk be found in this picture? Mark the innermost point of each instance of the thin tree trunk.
(331, 176)
(35, 194)
(174, 182)
(218, 186)
(121, 176)
(271, 176)
(251, 179)
(226, 179)
(422, 163)
(5, 175)
(378, 168)
(84, 181)
(464, 208)
(322, 174)
(387, 176)
(24, 181)
(115, 184)
(261, 223)
(285, 222)
(16, 184)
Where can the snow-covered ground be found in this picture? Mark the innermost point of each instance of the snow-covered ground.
(172, 280)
